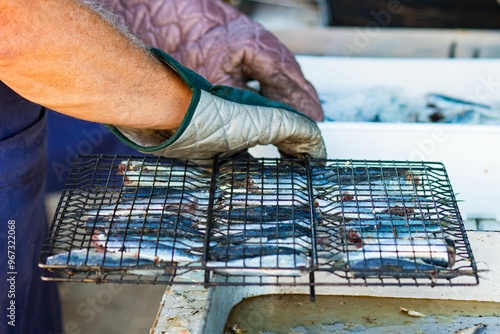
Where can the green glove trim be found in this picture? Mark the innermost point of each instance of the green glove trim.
(197, 83)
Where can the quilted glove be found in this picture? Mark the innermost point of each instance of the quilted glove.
(223, 45)
(226, 120)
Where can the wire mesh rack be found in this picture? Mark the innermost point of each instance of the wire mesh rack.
(258, 222)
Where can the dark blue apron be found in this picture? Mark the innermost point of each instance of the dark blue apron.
(22, 168)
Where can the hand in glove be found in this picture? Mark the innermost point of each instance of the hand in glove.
(226, 120)
(223, 45)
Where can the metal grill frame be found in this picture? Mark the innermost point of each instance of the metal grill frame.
(96, 180)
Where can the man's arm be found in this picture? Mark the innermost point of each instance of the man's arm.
(64, 55)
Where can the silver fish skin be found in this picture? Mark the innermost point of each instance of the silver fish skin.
(92, 258)
(145, 222)
(236, 252)
(400, 268)
(179, 242)
(161, 181)
(277, 231)
(382, 198)
(145, 193)
(448, 109)
(343, 177)
(166, 217)
(394, 229)
(146, 250)
(373, 237)
(142, 207)
(300, 244)
(126, 166)
(258, 183)
(232, 228)
(142, 174)
(436, 252)
(328, 208)
(375, 207)
(270, 265)
(264, 214)
(298, 199)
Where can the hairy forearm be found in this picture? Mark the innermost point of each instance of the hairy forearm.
(62, 54)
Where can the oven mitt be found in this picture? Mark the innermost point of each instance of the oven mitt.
(224, 46)
(224, 120)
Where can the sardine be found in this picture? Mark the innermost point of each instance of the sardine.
(357, 237)
(392, 222)
(300, 244)
(262, 214)
(165, 181)
(447, 109)
(396, 229)
(329, 209)
(269, 265)
(297, 200)
(161, 226)
(144, 193)
(145, 250)
(279, 231)
(336, 176)
(236, 252)
(233, 228)
(387, 267)
(127, 166)
(436, 252)
(258, 183)
(178, 242)
(149, 206)
(93, 258)
(141, 174)
(379, 198)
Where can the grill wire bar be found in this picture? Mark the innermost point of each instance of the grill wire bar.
(206, 244)
(248, 221)
(310, 191)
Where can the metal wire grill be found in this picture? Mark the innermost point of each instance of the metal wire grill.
(258, 222)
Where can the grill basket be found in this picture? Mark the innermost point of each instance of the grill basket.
(258, 222)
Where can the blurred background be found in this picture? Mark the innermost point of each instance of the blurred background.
(333, 28)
